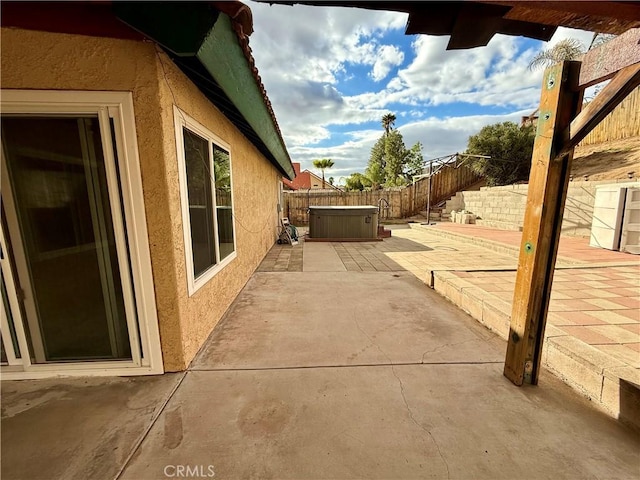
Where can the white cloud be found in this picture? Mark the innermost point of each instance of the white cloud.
(304, 54)
(443, 136)
(389, 56)
(304, 42)
(301, 52)
(493, 75)
(364, 134)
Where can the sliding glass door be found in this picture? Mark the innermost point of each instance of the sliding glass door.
(61, 240)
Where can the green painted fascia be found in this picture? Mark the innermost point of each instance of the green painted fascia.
(224, 59)
(177, 27)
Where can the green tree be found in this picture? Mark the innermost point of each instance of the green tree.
(376, 166)
(395, 154)
(323, 164)
(415, 162)
(388, 163)
(357, 181)
(331, 180)
(567, 49)
(510, 148)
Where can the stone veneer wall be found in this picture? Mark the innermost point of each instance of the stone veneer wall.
(503, 207)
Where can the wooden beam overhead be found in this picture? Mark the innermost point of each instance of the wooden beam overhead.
(439, 20)
(475, 26)
(604, 61)
(534, 19)
(590, 13)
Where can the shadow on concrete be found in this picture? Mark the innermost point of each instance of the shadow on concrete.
(402, 244)
(629, 401)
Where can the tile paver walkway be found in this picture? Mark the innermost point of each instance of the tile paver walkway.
(408, 249)
(283, 258)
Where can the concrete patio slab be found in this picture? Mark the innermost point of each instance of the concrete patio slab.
(77, 428)
(420, 421)
(321, 257)
(349, 318)
(342, 374)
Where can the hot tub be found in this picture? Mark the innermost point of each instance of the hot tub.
(344, 223)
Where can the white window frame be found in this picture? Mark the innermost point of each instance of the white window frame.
(117, 106)
(182, 120)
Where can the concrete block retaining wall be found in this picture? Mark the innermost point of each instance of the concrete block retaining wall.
(503, 207)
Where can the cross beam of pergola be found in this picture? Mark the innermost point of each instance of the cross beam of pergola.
(561, 126)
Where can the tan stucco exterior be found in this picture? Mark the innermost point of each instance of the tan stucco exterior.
(40, 60)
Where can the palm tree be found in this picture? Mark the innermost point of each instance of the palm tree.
(387, 122)
(323, 163)
(567, 49)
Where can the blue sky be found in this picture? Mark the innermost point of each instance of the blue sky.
(331, 73)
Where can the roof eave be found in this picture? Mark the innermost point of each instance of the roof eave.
(224, 58)
(203, 32)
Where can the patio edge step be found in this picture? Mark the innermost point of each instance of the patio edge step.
(483, 242)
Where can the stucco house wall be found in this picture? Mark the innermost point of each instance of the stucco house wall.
(255, 193)
(56, 61)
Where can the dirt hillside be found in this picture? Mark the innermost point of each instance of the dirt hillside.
(607, 161)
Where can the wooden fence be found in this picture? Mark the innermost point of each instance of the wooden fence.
(401, 202)
(623, 122)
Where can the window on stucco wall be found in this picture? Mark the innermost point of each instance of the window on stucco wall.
(207, 205)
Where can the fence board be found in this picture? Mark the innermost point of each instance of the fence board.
(403, 202)
(623, 122)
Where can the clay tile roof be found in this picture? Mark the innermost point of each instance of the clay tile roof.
(239, 13)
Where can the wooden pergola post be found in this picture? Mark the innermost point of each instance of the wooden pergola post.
(548, 183)
(557, 134)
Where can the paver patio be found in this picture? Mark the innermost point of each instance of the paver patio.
(598, 305)
(571, 249)
(325, 374)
